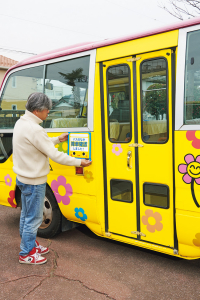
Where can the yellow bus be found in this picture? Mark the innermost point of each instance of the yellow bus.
(132, 105)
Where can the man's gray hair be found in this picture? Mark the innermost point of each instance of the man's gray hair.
(38, 101)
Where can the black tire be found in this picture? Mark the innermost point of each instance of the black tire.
(52, 216)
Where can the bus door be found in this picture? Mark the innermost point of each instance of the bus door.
(119, 172)
(155, 156)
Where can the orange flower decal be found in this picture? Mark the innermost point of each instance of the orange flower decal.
(88, 176)
(196, 241)
(152, 221)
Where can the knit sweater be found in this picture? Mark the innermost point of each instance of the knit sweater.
(32, 148)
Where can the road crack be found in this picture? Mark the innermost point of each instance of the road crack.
(39, 284)
(55, 265)
(12, 280)
(85, 286)
(52, 274)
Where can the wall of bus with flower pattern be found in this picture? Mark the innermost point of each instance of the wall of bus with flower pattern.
(63, 192)
(11, 193)
(191, 168)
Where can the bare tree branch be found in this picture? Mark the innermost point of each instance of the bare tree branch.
(182, 8)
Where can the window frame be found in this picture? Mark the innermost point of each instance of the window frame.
(180, 80)
(167, 99)
(130, 104)
(156, 184)
(90, 111)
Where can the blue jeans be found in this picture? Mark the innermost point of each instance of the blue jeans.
(32, 200)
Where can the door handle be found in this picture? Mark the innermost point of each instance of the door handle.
(129, 156)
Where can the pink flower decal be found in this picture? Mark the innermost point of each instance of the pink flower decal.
(156, 218)
(8, 180)
(117, 149)
(191, 169)
(88, 176)
(190, 135)
(62, 190)
(11, 199)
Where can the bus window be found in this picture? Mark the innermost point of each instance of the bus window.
(15, 94)
(192, 79)
(118, 82)
(66, 83)
(154, 100)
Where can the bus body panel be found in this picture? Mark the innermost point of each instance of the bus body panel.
(187, 212)
(147, 44)
(86, 203)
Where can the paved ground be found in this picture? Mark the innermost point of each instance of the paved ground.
(83, 266)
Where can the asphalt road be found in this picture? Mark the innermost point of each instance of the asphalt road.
(83, 266)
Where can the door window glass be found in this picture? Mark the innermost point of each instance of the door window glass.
(154, 100)
(118, 82)
(121, 190)
(66, 83)
(156, 195)
(192, 79)
(15, 94)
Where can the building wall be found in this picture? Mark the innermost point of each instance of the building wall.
(2, 73)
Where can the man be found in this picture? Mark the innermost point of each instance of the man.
(32, 149)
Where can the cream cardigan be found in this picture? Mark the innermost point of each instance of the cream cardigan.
(32, 149)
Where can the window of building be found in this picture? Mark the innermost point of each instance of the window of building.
(154, 101)
(14, 82)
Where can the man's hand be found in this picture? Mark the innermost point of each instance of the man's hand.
(63, 137)
(85, 163)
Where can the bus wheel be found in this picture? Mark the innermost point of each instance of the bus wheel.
(52, 216)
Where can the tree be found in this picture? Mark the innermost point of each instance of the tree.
(182, 9)
(71, 79)
(155, 101)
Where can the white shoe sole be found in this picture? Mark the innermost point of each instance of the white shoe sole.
(28, 263)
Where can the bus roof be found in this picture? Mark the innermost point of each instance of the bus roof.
(72, 49)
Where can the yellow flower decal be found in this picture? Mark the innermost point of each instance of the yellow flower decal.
(88, 176)
(196, 241)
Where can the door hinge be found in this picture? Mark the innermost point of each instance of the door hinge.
(133, 59)
(138, 233)
(136, 145)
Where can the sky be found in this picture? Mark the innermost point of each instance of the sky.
(32, 27)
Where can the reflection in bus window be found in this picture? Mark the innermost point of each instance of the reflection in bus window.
(15, 94)
(119, 103)
(66, 83)
(192, 79)
(154, 100)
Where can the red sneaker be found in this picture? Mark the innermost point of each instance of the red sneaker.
(33, 258)
(40, 249)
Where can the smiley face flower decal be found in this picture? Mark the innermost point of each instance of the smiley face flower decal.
(80, 214)
(191, 171)
(8, 180)
(191, 136)
(152, 220)
(62, 190)
(117, 149)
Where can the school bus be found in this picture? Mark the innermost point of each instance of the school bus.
(132, 105)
